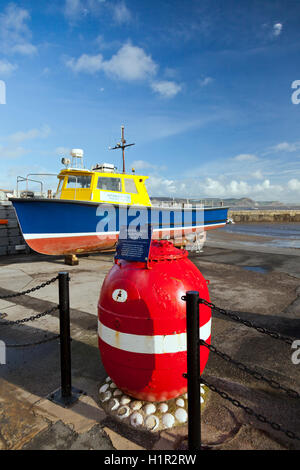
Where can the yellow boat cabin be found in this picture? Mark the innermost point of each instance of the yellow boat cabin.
(102, 184)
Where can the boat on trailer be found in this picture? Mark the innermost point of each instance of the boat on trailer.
(91, 206)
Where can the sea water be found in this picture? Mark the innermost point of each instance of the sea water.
(282, 235)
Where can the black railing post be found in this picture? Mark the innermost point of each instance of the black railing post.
(66, 395)
(193, 369)
(65, 338)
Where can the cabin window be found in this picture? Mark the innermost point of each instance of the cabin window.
(59, 188)
(109, 184)
(130, 186)
(79, 182)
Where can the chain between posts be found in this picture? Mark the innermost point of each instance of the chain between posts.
(237, 318)
(32, 318)
(46, 340)
(257, 375)
(193, 300)
(33, 289)
(66, 395)
(25, 320)
(249, 411)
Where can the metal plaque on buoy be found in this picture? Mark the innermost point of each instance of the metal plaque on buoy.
(134, 243)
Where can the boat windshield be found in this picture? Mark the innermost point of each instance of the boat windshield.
(59, 188)
(109, 184)
(83, 181)
(130, 186)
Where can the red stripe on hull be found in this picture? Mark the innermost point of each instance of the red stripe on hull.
(210, 227)
(93, 243)
(72, 245)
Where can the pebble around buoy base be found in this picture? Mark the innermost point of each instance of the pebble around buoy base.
(143, 415)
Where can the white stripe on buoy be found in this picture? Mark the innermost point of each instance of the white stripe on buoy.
(157, 344)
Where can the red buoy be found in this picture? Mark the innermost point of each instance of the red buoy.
(142, 323)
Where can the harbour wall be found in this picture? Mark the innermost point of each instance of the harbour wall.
(256, 216)
(11, 239)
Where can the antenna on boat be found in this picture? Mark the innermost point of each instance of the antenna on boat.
(122, 145)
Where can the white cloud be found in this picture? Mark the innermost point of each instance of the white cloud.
(238, 188)
(121, 13)
(205, 81)
(246, 175)
(162, 124)
(143, 165)
(86, 63)
(257, 175)
(277, 29)
(76, 9)
(167, 89)
(15, 35)
(24, 49)
(13, 148)
(8, 177)
(160, 186)
(245, 157)
(234, 188)
(217, 187)
(170, 72)
(221, 186)
(7, 152)
(6, 68)
(129, 63)
(214, 188)
(102, 44)
(285, 147)
(266, 185)
(73, 9)
(21, 136)
(294, 184)
(62, 151)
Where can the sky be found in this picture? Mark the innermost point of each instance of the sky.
(208, 90)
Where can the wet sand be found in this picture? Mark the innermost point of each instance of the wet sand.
(251, 242)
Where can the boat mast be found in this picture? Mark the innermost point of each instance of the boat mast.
(122, 145)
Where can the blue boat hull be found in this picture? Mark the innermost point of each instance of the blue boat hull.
(60, 227)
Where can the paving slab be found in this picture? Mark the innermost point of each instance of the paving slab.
(59, 436)
(120, 442)
(81, 416)
(19, 424)
(90, 272)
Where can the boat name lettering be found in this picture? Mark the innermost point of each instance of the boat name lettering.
(113, 197)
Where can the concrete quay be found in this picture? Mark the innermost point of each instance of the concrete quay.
(262, 215)
(270, 298)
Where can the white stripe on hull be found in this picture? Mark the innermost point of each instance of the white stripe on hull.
(157, 344)
(37, 236)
